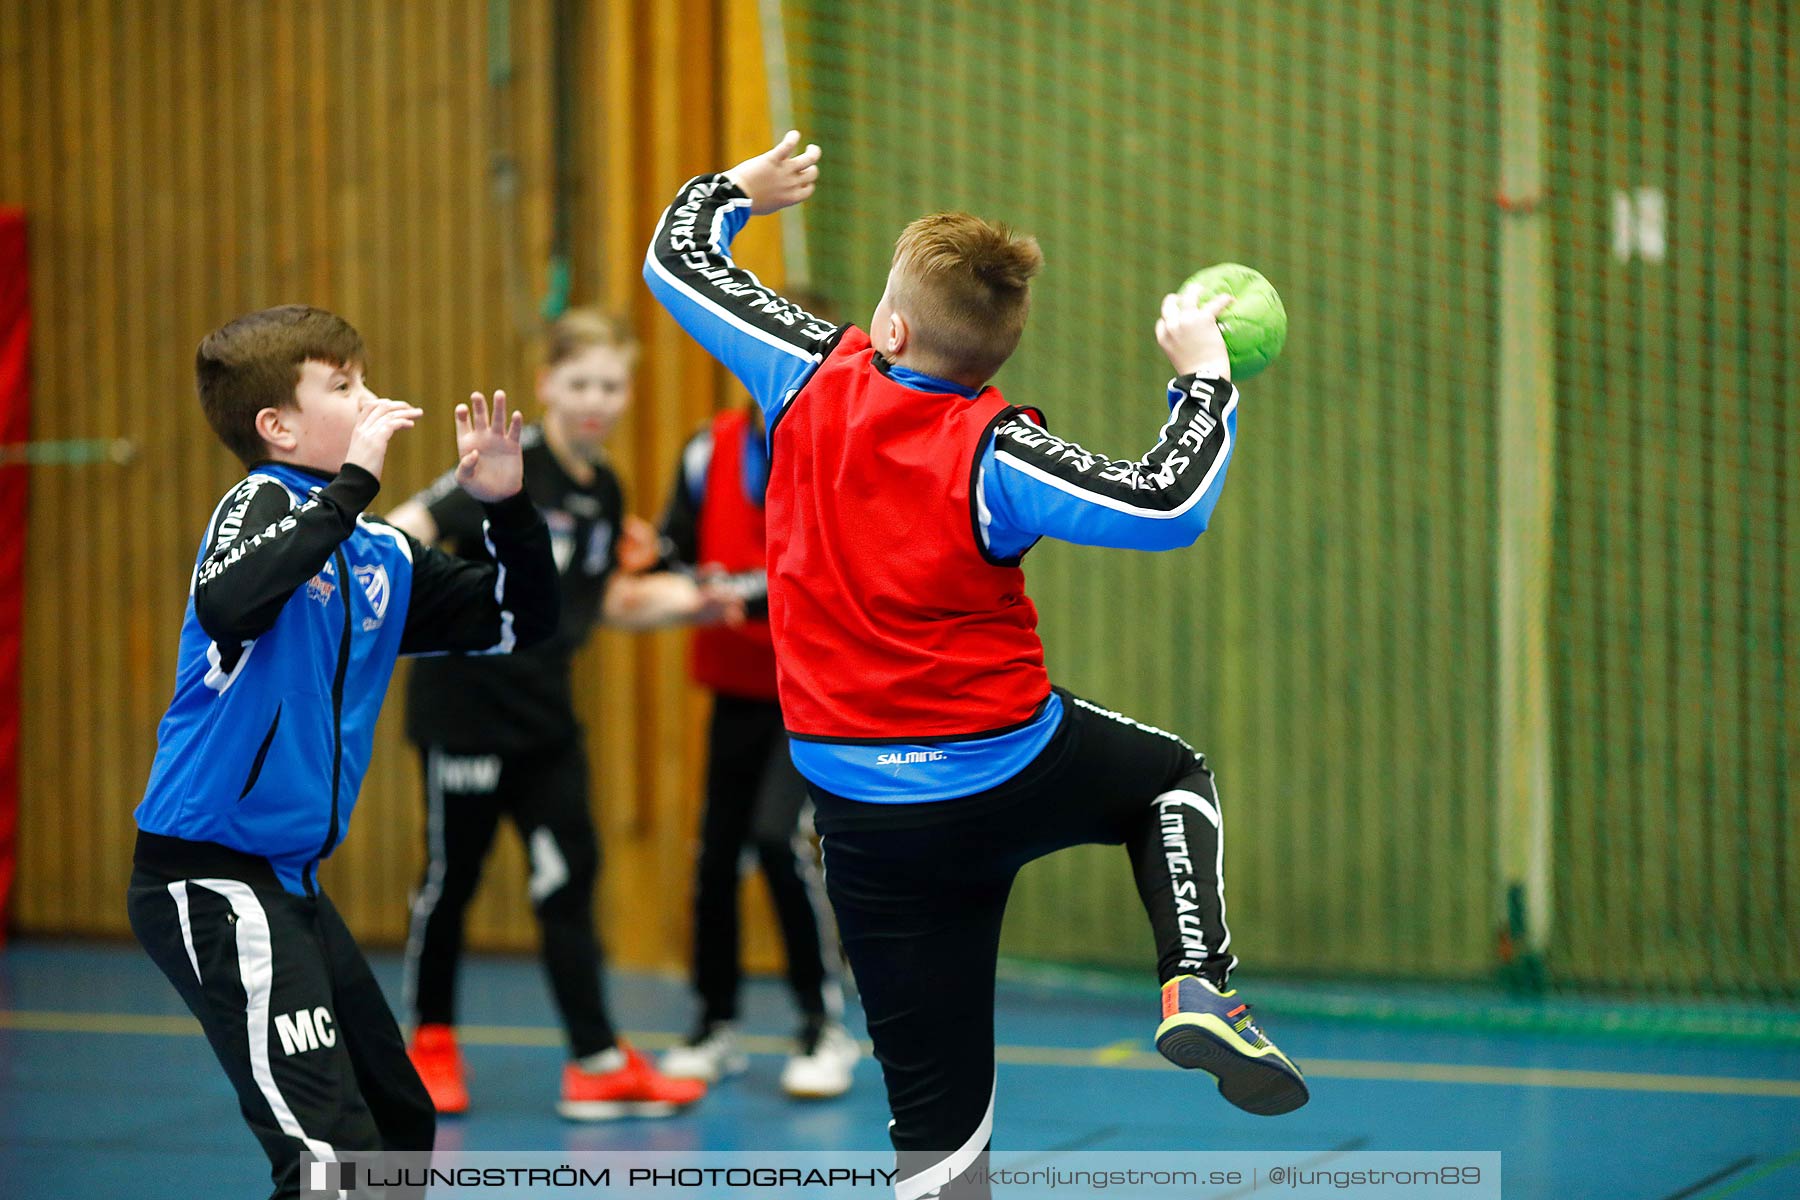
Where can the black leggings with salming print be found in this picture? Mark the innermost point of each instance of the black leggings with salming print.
(920, 890)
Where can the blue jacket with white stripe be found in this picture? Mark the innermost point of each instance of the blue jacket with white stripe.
(298, 606)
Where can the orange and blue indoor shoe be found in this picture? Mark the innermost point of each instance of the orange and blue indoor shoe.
(1205, 1028)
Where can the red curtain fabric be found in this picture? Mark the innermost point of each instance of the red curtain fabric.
(15, 427)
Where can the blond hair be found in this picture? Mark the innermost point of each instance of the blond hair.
(582, 329)
(965, 285)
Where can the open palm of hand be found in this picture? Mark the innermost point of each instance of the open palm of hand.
(490, 464)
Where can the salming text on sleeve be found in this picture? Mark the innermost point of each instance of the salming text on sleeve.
(1034, 484)
(263, 544)
(768, 342)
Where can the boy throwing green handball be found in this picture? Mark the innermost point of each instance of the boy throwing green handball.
(1255, 326)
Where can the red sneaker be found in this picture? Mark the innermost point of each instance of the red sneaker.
(439, 1064)
(633, 1089)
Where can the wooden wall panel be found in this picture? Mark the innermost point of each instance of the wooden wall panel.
(184, 161)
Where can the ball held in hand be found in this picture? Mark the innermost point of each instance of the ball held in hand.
(1255, 326)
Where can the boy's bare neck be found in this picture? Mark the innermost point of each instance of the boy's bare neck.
(575, 465)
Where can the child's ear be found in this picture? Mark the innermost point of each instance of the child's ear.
(272, 428)
(896, 335)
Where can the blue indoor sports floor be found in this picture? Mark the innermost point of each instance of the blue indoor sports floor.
(107, 1089)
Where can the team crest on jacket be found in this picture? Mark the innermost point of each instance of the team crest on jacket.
(374, 580)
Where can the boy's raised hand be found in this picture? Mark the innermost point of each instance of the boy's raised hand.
(778, 177)
(491, 465)
(379, 421)
(1189, 334)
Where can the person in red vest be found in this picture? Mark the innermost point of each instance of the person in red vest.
(714, 525)
(904, 493)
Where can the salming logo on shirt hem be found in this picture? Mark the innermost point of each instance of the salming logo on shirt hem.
(909, 758)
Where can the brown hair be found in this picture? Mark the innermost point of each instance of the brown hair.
(582, 329)
(966, 285)
(253, 363)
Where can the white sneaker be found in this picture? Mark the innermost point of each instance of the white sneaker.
(823, 1066)
(710, 1054)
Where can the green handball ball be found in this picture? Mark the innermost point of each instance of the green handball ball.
(1255, 326)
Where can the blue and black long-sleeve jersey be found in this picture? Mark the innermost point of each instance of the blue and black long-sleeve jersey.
(298, 606)
(1030, 483)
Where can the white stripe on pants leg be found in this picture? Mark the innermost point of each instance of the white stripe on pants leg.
(932, 1179)
(1200, 804)
(432, 890)
(256, 967)
(178, 890)
(812, 879)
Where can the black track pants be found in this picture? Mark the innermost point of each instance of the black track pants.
(292, 1012)
(753, 799)
(545, 793)
(920, 892)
